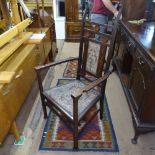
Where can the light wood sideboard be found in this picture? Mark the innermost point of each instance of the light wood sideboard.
(12, 94)
(21, 62)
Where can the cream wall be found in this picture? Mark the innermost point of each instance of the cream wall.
(59, 21)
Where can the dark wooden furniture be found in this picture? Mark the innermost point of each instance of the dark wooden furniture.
(74, 13)
(73, 20)
(71, 102)
(135, 63)
(138, 9)
(150, 11)
(134, 10)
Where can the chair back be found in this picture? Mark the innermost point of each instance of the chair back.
(95, 55)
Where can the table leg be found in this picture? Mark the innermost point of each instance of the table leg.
(14, 131)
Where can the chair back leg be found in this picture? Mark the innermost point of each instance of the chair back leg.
(44, 107)
(103, 85)
(41, 95)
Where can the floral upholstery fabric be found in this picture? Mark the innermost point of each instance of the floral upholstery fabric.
(92, 57)
(62, 95)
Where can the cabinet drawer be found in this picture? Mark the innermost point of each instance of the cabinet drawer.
(137, 87)
(73, 30)
(140, 79)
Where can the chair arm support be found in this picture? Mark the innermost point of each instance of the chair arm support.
(42, 67)
(96, 82)
(78, 93)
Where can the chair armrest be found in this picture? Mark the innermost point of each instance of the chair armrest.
(96, 82)
(42, 67)
(91, 85)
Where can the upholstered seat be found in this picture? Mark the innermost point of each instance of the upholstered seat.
(62, 95)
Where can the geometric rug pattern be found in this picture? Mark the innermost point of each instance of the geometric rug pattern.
(99, 135)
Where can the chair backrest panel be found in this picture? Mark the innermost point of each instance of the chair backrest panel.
(93, 58)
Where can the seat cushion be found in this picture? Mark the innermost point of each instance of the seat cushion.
(62, 96)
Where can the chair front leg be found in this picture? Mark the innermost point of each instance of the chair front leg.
(75, 121)
(103, 84)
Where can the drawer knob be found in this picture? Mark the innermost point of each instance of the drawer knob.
(140, 61)
(76, 30)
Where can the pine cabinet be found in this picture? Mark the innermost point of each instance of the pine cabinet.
(12, 94)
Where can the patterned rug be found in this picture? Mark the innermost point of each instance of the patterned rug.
(99, 135)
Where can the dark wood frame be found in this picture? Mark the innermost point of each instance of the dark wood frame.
(100, 81)
(139, 126)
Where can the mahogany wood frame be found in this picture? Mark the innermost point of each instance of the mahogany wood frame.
(100, 81)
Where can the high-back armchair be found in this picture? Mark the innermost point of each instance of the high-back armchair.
(72, 101)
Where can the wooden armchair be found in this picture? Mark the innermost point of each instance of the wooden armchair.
(72, 101)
